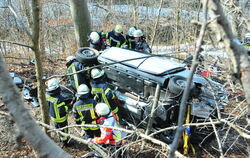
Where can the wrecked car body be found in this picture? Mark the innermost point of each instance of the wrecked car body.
(136, 81)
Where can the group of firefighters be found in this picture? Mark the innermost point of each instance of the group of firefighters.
(134, 39)
(95, 103)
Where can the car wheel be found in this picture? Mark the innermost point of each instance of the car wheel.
(177, 84)
(87, 55)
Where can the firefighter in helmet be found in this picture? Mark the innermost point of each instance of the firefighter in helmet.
(84, 113)
(58, 109)
(102, 91)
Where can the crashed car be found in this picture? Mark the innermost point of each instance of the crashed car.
(136, 80)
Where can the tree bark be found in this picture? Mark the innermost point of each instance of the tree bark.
(81, 18)
(38, 62)
(41, 143)
(236, 52)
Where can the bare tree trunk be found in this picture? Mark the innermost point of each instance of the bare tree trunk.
(38, 64)
(237, 53)
(41, 143)
(81, 18)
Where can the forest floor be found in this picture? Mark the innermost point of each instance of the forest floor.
(233, 144)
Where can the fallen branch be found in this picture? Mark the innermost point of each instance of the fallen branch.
(90, 145)
(153, 140)
(218, 140)
(238, 129)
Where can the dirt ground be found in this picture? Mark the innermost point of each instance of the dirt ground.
(233, 144)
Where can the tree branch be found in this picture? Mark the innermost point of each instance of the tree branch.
(218, 140)
(16, 43)
(43, 145)
(238, 129)
(90, 145)
(185, 97)
(236, 52)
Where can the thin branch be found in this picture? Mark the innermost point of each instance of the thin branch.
(152, 113)
(137, 132)
(156, 24)
(19, 20)
(90, 145)
(16, 43)
(218, 140)
(238, 129)
(185, 97)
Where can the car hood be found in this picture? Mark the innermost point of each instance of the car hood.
(143, 62)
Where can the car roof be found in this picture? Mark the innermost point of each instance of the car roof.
(153, 65)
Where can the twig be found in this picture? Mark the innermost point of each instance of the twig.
(190, 124)
(187, 88)
(91, 145)
(153, 140)
(156, 24)
(16, 43)
(19, 19)
(8, 57)
(218, 140)
(238, 129)
(151, 116)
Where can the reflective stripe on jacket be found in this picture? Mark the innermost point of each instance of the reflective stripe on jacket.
(110, 136)
(57, 108)
(104, 94)
(115, 41)
(84, 113)
(77, 79)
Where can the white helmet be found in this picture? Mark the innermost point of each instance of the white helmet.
(94, 36)
(131, 30)
(102, 109)
(96, 73)
(82, 89)
(118, 29)
(70, 58)
(53, 84)
(138, 33)
(247, 35)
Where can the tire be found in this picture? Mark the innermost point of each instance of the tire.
(87, 55)
(177, 85)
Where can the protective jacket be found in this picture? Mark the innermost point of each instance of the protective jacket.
(77, 79)
(115, 41)
(58, 110)
(108, 135)
(130, 42)
(104, 94)
(84, 113)
(142, 46)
